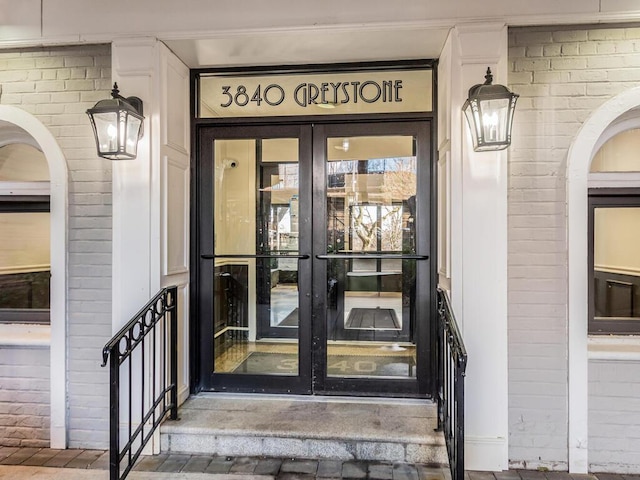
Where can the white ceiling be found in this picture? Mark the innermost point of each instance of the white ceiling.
(305, 47)
(207, 33)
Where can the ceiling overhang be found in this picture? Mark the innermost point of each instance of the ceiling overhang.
(310, 46)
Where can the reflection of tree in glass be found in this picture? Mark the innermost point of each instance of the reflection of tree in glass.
(397, 186)
(364, 224)
(364, 221)
(392, 228)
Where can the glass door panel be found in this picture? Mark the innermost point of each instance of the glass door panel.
(368, 324)
(257, 310)
(256, 218)
(352, 318)
(369, 259)
(279, 236)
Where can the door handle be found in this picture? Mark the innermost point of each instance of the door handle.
(383, 256)
(212, 257)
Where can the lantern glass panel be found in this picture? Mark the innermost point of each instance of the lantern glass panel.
(473, 120)
(132, 135)
(494, 119)
(106, 131)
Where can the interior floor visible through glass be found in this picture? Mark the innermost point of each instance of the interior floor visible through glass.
(343, 359)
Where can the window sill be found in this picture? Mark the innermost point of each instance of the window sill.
(614, 347)
(22, 335)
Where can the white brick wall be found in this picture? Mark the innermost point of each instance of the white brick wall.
(614, 416)
(57, 85)
(24, 397)
(562, 76)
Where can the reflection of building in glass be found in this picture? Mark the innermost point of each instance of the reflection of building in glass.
(373, 196)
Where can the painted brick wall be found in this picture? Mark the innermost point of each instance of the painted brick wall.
(614, 416)
(562, 75)
(57, 85)
(24, 397)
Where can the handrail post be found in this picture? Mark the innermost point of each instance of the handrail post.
(173, 347)
(459, 395)
(451, 362)
(439, 362)
(114, 415)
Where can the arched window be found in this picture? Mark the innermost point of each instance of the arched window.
(22, 128)
(616, 115)
(25, 264)
(614, 236)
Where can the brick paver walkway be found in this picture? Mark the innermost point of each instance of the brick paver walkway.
(280, 468)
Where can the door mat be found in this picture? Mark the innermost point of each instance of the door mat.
(373, 319)
(290, 320)
(260, 363)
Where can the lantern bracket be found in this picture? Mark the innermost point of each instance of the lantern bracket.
(135, 102)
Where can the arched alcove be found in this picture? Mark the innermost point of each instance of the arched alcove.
(615, 115)
(18, 126)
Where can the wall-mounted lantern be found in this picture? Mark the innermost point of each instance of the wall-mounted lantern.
(489, 111)
(117, 125)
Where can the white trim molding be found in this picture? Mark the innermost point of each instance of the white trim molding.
(478, 244)
(23, 335)
(578, 163)
(614, 180)
(614, 348)
(486, 451)
(620, 270)
(25, 269)
(59, 208)
(152, 72)
(24, 188)
(135, 246)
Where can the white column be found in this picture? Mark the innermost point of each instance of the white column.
(151, 193)
(136, 243)
(479, 248)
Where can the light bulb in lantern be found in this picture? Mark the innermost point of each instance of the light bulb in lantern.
(490, 122)
(112, 133)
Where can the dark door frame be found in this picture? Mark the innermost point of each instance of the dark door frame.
(205, 257)
(263, 316)
(312, 352)
(426, 376)
(425, 299)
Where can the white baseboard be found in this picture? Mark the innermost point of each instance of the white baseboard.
(486, 454)
(183, 394)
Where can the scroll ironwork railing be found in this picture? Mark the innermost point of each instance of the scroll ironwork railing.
(452, 364)
(143, 370)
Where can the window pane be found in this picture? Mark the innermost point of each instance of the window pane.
(24, 260)
(619, 154)
(616, 266)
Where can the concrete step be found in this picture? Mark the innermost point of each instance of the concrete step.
(340, 428)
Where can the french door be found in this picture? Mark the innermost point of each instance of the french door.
(313, 258)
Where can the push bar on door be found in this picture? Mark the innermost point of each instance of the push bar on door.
(384, 256)
(211, 257)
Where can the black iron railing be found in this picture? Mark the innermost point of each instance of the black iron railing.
(143, 371)
(452, 363)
